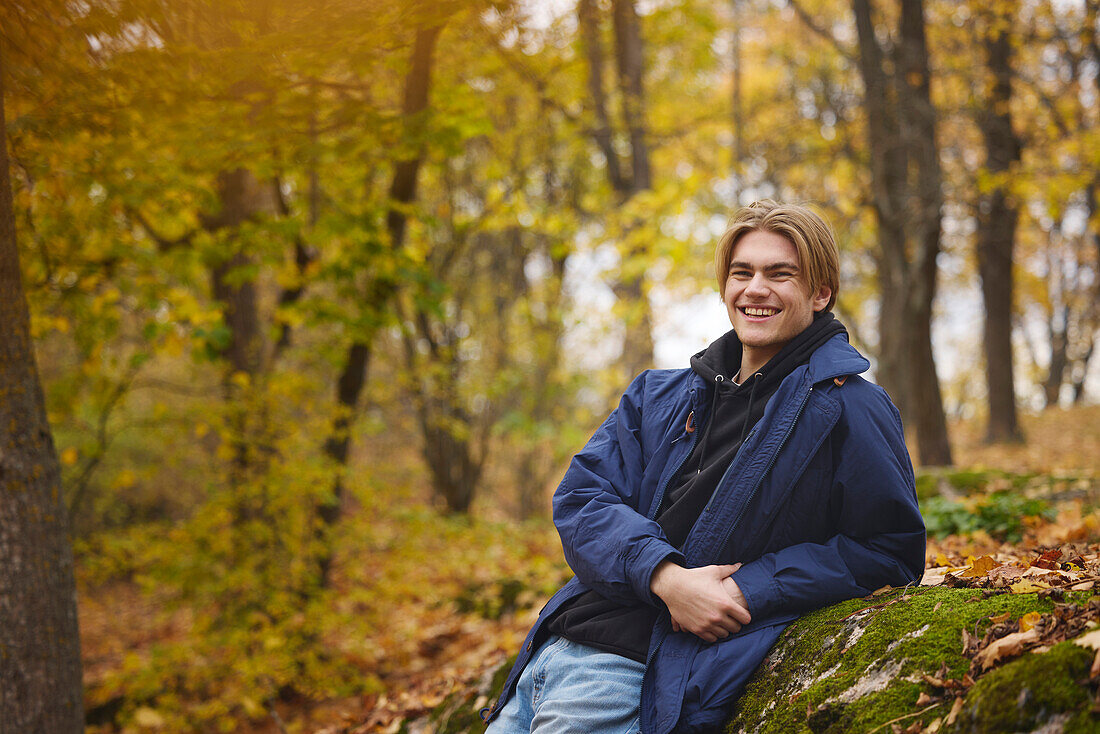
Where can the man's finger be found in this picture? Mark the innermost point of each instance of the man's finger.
(727, 569)
(741, 614)
(732, 626)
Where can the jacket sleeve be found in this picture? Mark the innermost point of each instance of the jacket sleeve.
(608, 541)
(881, 535)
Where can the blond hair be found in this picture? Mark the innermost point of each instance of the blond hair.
(812, 237)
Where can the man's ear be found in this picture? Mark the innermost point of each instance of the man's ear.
(821, 298)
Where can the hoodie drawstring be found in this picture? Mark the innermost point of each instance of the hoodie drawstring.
(748, 413)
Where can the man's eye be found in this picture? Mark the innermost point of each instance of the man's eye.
(740, 274)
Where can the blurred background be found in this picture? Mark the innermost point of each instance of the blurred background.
(325, 294)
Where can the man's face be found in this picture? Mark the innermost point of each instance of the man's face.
(766, 295)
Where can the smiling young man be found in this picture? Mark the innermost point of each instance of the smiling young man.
(718, 503)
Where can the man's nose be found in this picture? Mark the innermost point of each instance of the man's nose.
(758, 285)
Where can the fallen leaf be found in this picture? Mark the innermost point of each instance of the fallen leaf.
(955, 709)
(1028, 587)
(1029, 620)
(980, 567)
(1048, 560)
(1089, 639)
(924, 699)
(937, 607)
(1085, 586)
(934, 576)
(998, 618)
(1007, 647)
(1005, 574)
(933, 727)
(934, 682)
(882, 590)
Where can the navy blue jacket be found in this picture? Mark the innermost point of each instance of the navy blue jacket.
(819, 505)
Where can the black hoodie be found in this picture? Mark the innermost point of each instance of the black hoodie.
(593, 620)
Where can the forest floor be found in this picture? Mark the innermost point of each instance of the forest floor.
(433, 606)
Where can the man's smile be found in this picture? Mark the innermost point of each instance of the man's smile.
(759, 310)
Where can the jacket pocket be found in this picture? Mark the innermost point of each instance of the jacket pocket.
(720, 670)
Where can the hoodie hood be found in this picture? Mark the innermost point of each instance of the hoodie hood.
(723, 357)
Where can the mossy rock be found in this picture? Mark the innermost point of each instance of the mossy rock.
(1033, 692)
(858, 665)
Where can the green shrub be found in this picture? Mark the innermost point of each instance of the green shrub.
(1001, 514)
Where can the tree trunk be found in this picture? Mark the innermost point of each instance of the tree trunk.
(737, 124)
(1059, 358)
(638, 340)
(588, 19)
(997, 217)
(242, 199)
(535, 467)
(40, 672)
(630, 288)
(907, 200)
(1082, 375)
(448, 453)
(378, 293)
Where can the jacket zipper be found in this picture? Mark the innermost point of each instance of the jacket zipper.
(767, 469)
(660, 499)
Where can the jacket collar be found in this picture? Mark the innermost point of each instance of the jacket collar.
(836, 358)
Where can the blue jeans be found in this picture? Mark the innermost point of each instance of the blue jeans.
(569, 687)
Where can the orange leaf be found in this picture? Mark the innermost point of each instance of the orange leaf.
(1029, 620)
(980, 567)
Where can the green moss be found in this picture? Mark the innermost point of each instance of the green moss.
(807, 683)
(1026, 693)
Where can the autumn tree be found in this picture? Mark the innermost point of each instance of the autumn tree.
(630, 174)
(40, 670)
(377, 295)
(997, 218)
(1057, 254)
(907, 198)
